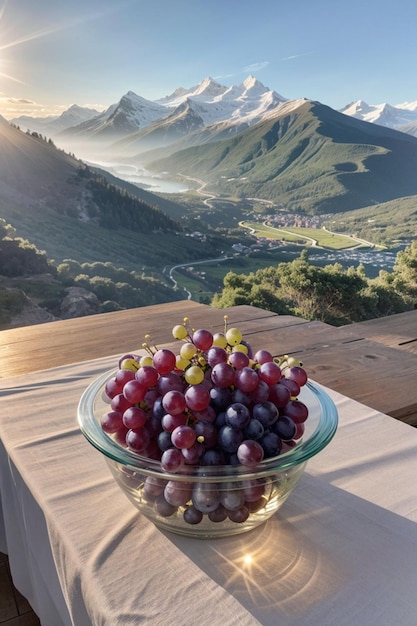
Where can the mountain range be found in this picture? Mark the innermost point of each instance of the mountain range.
(250, 142)
(205, 104)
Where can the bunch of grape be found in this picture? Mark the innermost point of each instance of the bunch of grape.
(212, 404)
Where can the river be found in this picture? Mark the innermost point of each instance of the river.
(139, 176)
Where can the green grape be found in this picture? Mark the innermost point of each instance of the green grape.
(233, 336)
(240, 347)
(188, 350)
(194, 375)
(129, 364)
(182, 363)
(219, 340)
(145, 360)
(179, 332)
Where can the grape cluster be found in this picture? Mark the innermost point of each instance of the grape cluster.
(212, 404)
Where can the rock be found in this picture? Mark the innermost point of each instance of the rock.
(30, 314)
(79, 302)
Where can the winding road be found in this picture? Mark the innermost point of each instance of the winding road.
(209, 204)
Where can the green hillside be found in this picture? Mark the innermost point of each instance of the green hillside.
(387, 222)
(71, 210)
(311, 159)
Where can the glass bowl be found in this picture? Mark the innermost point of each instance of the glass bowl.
(259, 491)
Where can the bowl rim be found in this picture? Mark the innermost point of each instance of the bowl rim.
(305, 449)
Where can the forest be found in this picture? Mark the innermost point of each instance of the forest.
(332, 294)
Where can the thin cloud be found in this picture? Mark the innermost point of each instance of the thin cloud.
(256, 67)
(295, 56)
(252, 68)
(19, 101)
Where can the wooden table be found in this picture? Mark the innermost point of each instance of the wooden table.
(341, 551)
(370, 362)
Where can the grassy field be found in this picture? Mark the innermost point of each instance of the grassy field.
(321, 237)
(205, 279)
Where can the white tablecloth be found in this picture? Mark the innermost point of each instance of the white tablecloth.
(341, 551)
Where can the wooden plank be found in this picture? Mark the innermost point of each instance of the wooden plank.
(43, 346)
(376, 375)
(397, 331)
(371, 372)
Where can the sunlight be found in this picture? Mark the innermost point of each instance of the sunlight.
(50, 30)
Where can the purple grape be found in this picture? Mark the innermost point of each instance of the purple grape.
(192, 455)
(134, 417)
(261, 393)
(111, 422)
(163, 507)
(229, 439)
(239, 516)
(296, 373)
(147, 375)
(271, 444)
(138, 439)
(220, 398)
(246, 379)
(263, 356)
(164, 440)
(284, 427)
(183, 436)
(213, 457)
(265, 412)
(172, 460)
(239, 360)
(218, 515)
(154, 486)
(250, 453)
(192, 515)
(174, 402)
(296, 410)
(197, 397)
(254, 489)
(223, 375)
(220, 420)
(279, 394)
(169, 382)
(202, 339)
(208, 415)
(177, 492)
(205, 497)
(292, 386)
(270, 372)
(232, 497)
(158, 408)
(241, 396)
(164, 361)
(207, 431)
(215, 355)
(237, 415)
(170, 422)
(254, 429)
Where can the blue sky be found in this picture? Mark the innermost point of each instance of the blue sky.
(54, 53)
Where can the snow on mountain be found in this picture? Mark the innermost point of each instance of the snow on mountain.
(133, 112)
(411, 106)
(126, 116)
(55, 123)
(399, 117)
(214, 103)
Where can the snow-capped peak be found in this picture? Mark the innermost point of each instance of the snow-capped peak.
(252, 83)
(356, 108)
(383, 114)
(209, 87)
(409, 106)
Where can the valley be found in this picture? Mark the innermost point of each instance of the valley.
(165, 198)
